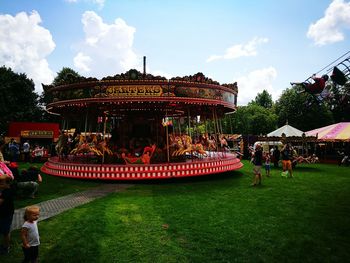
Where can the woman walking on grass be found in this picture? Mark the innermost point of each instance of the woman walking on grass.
(286, 153)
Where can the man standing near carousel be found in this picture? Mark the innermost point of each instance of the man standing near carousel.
(257, 161)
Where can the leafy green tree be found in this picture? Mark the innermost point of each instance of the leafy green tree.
(18, 100)
(293, 107)
(340, 102)
(263, 99)
(251, 119)
(66, 76)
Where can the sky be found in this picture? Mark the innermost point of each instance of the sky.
(260, 44)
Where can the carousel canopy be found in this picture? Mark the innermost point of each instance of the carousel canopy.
(332, 133)
(288, 130)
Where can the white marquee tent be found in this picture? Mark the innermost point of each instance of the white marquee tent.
(288, 130)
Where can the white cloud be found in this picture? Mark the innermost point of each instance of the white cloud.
(100, 3)
(83, 62)
(329, 29)
(25, 45)
(241, 50)
(107, 49)
(255, 82)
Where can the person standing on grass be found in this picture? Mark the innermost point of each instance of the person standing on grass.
(257, 161)
(30, 235)
(6, 212)
(276, 157)
(286, 153)
(26, 150)
(267, 163)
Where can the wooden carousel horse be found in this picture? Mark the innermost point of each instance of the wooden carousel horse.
(84, 147)
(102, 146)
(62, 146)
(187, 142)
(212, 144)
(179, 146)
(199, 148)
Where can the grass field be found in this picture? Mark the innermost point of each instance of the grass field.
(219, 218)
(53, 187)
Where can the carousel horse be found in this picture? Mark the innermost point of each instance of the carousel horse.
(179, 146)
(199, 148)
(84, 147)
(102, 146)
(187, 142)
(145, 158)
(189, 147)
(62, 146)
(211, 144)
(183, 144)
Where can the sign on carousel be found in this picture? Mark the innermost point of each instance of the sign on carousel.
(132, 90)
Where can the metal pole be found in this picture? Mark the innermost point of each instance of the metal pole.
(167, 144)
(86, 119)
(104, 134)
(214, 123)
(189, 123)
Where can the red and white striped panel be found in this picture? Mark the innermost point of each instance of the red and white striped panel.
(141, 172)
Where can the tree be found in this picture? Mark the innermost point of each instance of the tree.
(340, 102)
(252, 119)
(18, 101)
(66, 76)
(292, 107)
(263, 99)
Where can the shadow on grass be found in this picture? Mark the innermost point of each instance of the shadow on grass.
(193, 179)
(73, 239)
(307, 169)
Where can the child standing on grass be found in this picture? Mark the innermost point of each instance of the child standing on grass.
(267, 163)
(30, 235)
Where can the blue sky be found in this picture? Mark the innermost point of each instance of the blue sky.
(260, 44)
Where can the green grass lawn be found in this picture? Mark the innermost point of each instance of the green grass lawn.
(219, 218)
(53, 187)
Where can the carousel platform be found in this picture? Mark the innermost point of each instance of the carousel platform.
(216, 163)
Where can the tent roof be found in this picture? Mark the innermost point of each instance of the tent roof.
(287, 130)
(335, 132)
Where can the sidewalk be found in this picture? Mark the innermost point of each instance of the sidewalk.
(56, 206)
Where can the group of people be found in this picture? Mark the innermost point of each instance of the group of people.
(13, 151)
(29, 231)
(26, 181)
(289, 158)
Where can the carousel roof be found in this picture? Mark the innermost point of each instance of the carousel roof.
(134, 92)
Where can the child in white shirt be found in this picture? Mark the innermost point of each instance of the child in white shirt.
(30, 234)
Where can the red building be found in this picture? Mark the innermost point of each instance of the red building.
(35, 132)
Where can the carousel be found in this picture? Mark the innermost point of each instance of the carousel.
(137, 126)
